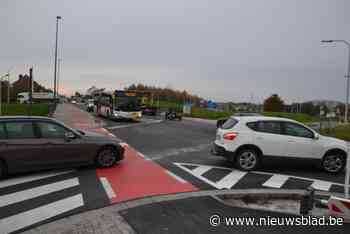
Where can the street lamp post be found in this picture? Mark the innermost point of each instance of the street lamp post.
(347, 77)
(1, 91)
(55, 72)
(58, 77)
(347, 174)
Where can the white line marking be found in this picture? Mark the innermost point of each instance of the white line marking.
(200, 170)
(143, 156)
(108, 188)
(256, 172)
(23, 195)
(321, 185)
(176, 177)
(198, 176)
(148, 122)
(276, 181)
(30, 178)
(27, 218)
(230, 179)
(124, 144)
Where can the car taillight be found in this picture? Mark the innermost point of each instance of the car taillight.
(230, 136)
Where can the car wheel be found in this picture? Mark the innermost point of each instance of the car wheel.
(106, 157)
(247, 159)
(3, 170)
(333, 162)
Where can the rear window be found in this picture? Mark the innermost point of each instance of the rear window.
(230, 123)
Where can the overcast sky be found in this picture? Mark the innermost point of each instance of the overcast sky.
(225, 50)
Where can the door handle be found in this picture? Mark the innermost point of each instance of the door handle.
(259, 138)
(291, 141)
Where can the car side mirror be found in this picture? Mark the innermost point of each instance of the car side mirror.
(316, 136)
(69, 136)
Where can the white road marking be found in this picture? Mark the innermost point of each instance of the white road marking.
(108, 188)
(23, 195)
(143, 156)
(276, 181)
(200, 170)
(124, 144)
(176, 177)
(321, 185)
(230, 179)
(25, 179)
(27, 218)
(148, 122)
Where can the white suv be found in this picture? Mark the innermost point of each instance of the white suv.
(247, 140)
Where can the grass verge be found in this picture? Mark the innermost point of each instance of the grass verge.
(341, 132)
(39, 109)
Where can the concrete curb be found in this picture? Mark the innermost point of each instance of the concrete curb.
(208, 121)
(236, 194)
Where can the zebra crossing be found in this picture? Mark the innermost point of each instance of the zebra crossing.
(228, 178)
(28, 200)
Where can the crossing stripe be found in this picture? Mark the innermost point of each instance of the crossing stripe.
(276, 181)
(27, 194)
(200, 170)
(30, 217)
(230, 179)
(321, 185)
(108, 188)
(25, 179)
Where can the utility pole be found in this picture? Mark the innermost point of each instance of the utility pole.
(58, 77)
(55, 72)
(347, 77)
(8, 88)
(1, 91)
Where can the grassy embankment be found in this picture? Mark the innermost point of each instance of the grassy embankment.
(40, 109)
(341, 132)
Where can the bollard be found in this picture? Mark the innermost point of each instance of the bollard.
(307, 201)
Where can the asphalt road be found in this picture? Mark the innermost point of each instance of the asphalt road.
(173, 156)
(192, 215)
(183, 147)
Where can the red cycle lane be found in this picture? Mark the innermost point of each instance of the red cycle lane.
(137, 177)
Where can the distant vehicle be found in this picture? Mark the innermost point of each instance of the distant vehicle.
(119, 105)
(90, 105)
(37, 97)
(172, 115)
(33, 143)
(246, 141)
(73, 102)
(147, 110)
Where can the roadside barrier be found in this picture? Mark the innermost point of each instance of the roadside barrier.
(339, 207)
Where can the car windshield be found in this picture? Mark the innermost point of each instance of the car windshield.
(175, 116)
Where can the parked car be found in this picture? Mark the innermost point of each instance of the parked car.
(33, 143)
(246, 141)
